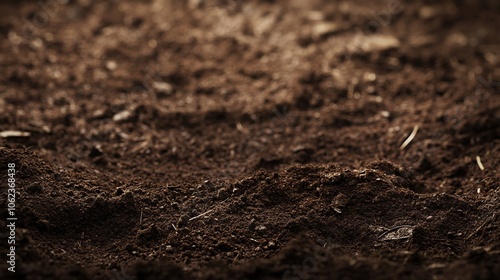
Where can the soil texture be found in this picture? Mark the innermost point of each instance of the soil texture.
(251, 139)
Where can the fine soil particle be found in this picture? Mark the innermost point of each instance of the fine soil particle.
(251, 139)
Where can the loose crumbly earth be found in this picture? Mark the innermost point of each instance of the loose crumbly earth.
(252, 139)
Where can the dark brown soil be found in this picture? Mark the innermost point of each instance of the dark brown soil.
(252, 139)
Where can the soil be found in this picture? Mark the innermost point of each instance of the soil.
(251, 139)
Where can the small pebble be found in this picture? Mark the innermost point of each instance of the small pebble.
(111, 65)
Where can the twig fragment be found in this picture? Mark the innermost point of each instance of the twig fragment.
(14, 133)
(481, 226)
(410, 138)
(479, 163)
(201, 215)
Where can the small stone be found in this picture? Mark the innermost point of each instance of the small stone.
(152, 43)
(379, 43)
(122, 116)
(270, 245)
(111, 65)
(369, 77)
(385, 114)
(491, 58)
(162, 89)
(428, 12)
(36, 44)
(377, 99)
(14, 38)
(260, 228)
(403, 232)
(457, 39)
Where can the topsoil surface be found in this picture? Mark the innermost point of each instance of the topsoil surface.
(251, 139)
